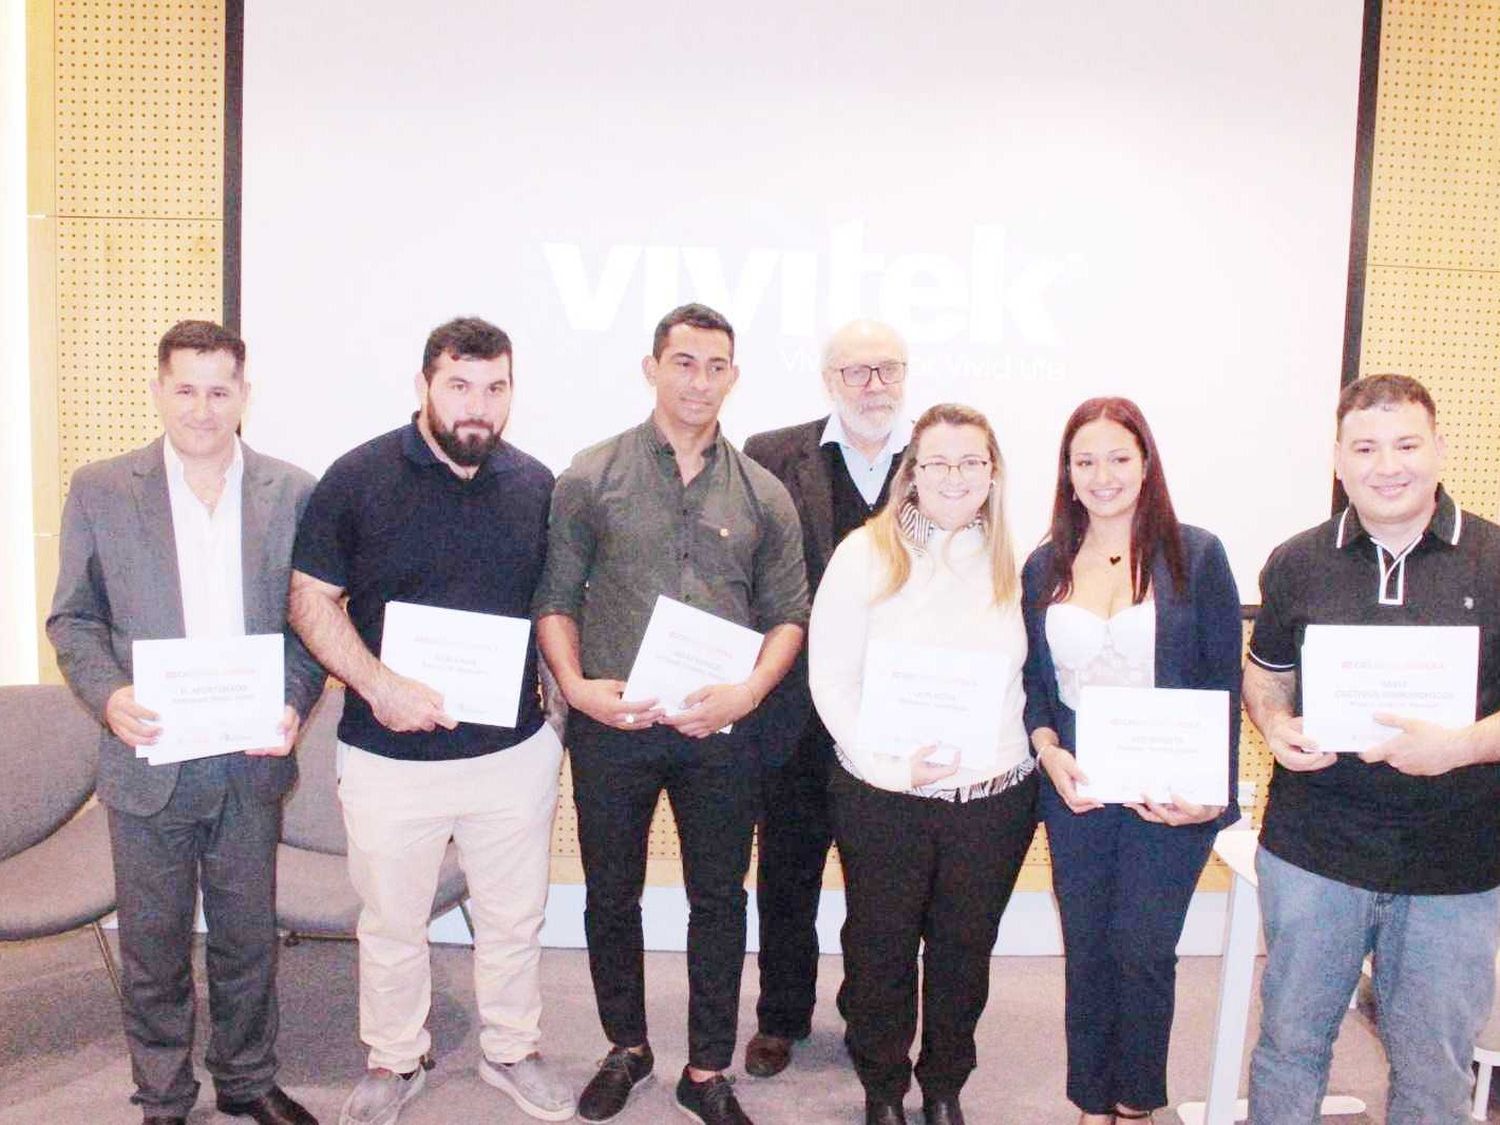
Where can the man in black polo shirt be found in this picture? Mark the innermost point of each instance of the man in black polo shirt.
(837, 469)
(443, 513)
(668, 507)
(1394, 852)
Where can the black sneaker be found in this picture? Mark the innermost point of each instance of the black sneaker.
(621, 1073)
(710, 1102)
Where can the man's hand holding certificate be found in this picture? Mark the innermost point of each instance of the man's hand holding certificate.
(687, 655)
(1399, 694)
(211, 696)
(1352, 673)
(475, 661)
(1155, 743)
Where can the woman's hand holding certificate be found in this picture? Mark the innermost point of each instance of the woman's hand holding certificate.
(1155, 747)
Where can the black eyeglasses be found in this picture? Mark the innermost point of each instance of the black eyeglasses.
(859, 374)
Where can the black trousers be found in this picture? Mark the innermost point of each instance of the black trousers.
(209, 832)
(922, 872)
(796, 829)
(711, 782)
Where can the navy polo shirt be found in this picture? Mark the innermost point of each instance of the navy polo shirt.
(389, 521)
(1368, 824)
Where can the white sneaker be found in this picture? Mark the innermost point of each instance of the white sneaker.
(377, 1098)
(532, 1085)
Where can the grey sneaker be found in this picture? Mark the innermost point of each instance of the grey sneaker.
(377, 1098)
(532, 1085)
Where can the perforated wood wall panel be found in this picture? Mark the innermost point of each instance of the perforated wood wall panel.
(138, 89)
(121, 283)
(140, 108)
(1432, 288)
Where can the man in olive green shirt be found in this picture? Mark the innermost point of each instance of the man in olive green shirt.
(669, 507)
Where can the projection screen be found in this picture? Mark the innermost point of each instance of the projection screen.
(1051, 200)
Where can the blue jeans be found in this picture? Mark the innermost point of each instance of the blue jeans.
(1434, 977)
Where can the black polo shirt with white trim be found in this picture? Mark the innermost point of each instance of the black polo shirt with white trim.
(1364, 824)
(389, 521)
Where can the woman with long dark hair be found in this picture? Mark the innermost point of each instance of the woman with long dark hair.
(1121, 594)
(931, 846)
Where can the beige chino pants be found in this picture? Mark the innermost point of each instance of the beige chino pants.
(498, 810)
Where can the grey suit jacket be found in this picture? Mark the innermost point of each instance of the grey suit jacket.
(118, 582)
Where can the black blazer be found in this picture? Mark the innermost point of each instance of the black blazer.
(794, 455)
(1198, 641)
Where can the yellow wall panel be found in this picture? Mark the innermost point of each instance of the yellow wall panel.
(1443, 327)
(140, 108)
(121, 283)
(1436, 189)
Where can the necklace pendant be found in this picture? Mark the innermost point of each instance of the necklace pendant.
(1114, 560)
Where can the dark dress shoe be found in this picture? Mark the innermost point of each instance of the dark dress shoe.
(942, 1111)
(159, 1119)
(620, 1074)
(767, 1055)
(884, 1113)
(274, 1107)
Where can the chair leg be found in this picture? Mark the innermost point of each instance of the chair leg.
(463, 908)
(109, 959)
(1484, 1069)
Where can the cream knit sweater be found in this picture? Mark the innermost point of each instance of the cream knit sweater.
(948, 602)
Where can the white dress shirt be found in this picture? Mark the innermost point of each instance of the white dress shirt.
(209, 564)
(867, 473)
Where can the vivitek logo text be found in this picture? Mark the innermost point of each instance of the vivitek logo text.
(932, 298)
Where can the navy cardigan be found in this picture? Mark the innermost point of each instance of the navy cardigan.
(1198, 640)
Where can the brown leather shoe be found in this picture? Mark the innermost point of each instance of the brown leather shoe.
(767, 1055)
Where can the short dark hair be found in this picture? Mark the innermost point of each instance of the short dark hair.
(696, 316)
(201, 336)
(464, 337)
(1383, 390)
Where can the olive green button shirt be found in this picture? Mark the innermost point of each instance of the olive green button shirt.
(624, 529)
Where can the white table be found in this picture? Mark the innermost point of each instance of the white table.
(1236, 847)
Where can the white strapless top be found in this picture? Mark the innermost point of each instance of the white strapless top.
(1119, 651)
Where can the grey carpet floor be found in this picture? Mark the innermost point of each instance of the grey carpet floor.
(62, 1059)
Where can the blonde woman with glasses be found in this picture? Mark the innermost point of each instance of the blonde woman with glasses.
(932, 836)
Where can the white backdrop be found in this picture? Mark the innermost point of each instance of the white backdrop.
(1052, 199)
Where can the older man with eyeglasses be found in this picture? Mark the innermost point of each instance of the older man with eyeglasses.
(838, 469)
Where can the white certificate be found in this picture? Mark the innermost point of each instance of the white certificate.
(475, 661)
(1154, 742)
(1350, 672)
(920, 695)
(685, 649)
(213, 696)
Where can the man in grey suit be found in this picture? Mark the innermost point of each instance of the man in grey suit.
(837, 469)
(190, 536)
